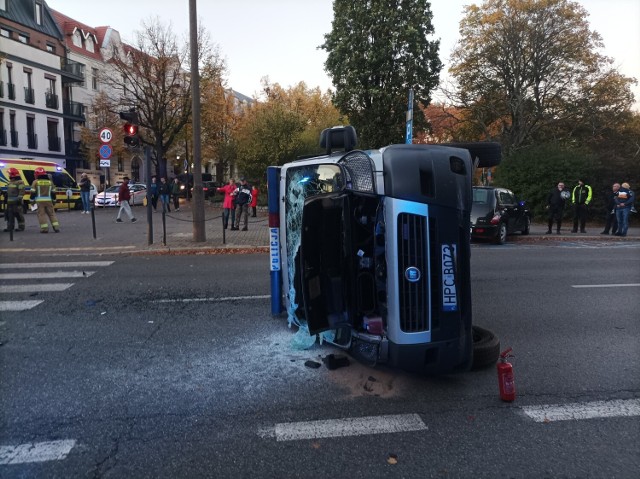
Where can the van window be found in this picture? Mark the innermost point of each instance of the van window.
(60, 179)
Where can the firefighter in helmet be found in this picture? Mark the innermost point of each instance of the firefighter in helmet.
(15, 192)
(42, 193)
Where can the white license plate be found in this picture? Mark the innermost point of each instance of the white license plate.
(449, 296)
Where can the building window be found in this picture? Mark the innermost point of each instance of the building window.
(29, 95)
(3, 5)
(94, 78)
(120, 164)
(4, 32)
(77, 38)
(23, 38)
(39, 13)
(12, 129)
(3, 132)
(51, 96)
(52, 135)
(11, 88)
(32, 138)
(51, 48)
(89, 44)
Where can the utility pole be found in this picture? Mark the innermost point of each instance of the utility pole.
(198, 197)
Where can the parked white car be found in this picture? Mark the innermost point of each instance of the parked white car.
(109, 197)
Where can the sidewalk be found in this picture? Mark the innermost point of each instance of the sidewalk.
(76, 236)
(76, 233)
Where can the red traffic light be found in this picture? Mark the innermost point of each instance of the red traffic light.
(130, 130)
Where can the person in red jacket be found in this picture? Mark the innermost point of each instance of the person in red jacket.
(124, 195)
(254, 200)
(227, 203)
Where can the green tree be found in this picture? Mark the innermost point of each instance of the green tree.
(377, 51)
(285, 125)
(530, 71)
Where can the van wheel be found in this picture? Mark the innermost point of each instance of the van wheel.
(489, 153)
(486, 348)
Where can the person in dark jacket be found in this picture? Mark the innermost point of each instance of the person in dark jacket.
(580, 198)
(175, 193)
(164, 189)
(611, 222)
(242, 195)
(624, 202)
(124, 196)
(85, 193)
(555, 206)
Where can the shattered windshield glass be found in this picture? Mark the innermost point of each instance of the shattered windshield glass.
(302, 183)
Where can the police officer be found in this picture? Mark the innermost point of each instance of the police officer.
(581, 197)
(15, 192)
(41, 194)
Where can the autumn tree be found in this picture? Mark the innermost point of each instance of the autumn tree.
(286, 124)
(377, 51)
(531, 71)
(152, 77)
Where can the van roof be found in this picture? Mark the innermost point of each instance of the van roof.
(5, 161)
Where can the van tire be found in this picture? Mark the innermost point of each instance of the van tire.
(489, 153)
(486, 348)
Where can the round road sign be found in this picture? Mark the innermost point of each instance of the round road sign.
(105, 151)
(105, 135)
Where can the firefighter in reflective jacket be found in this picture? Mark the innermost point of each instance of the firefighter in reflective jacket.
(41, 194)
(15, 192)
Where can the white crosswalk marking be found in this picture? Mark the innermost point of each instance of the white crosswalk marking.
(27, 280)
(34, 288)
(57, 274)
(19, 305)
(36, 452)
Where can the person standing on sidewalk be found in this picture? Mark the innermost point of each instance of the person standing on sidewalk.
(165, 191)
(15, 193)
(611, 222)
(85, 193)
(41, 194)
(254, 200)
(153, 191)
(175, 193)
(124, 195)
(243, 200)
(555, 206)
(580, 198)
(624, 202)
(227, 203)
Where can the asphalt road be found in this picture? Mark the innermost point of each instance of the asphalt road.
(172, 366)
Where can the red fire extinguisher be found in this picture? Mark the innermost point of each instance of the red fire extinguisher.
(505, 377)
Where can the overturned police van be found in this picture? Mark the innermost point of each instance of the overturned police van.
(370, 251)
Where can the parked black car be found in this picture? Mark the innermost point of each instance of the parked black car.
(496, 213)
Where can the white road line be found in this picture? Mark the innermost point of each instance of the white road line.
(625, 285)
(360, 426)
(589, 410)
(213, 300)
(68, 264)
(37, 288)
(36, 452)
(19, 305)
(57, 274)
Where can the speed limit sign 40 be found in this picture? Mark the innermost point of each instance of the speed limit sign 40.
(105, 135)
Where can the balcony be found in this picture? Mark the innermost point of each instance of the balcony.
(14, 139)
(3, 137)
(54, 143)
(11, 90)
(72, 71)
(51, 100)
(73, 109)
(32, 141)
(29, 95)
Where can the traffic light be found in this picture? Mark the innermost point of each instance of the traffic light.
(131, 137)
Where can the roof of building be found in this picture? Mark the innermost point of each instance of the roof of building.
(70, 26)
(22, 12)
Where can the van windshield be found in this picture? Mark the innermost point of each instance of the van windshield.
(60, 179)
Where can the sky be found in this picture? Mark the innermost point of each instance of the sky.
(278, 39)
